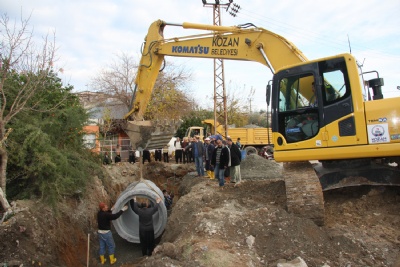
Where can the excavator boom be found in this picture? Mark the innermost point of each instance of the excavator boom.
(234, 43)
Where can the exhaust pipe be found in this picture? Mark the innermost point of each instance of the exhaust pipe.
(127, 225)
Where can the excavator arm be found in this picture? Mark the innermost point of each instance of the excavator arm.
(246, 43)
(233, 43)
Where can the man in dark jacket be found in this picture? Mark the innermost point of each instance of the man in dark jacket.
(146, 227)
(236, 158)
(104, 218)
(209, 150)
(146, 156)
(220, 161)
(106, 159)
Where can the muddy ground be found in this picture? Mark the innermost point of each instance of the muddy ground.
(245, 225)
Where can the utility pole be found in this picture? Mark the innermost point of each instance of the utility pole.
(220, 110)
(250, 98)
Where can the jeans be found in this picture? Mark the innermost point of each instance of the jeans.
(219, 174)
(199, 166)
(106, 240)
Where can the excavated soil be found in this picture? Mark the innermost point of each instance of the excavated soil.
(244, 225)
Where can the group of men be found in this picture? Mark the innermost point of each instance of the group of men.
(107, 159)
(221, 157)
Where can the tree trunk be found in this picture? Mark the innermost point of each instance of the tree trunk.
(6, 206)
(3, 169)
(4, 201)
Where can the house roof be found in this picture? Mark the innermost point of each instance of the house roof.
(97, 103)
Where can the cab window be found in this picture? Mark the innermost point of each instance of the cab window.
(299, 107)
(335, 85)
(296, 92)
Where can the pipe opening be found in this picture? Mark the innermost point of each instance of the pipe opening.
(127, 225)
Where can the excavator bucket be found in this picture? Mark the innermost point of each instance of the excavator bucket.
(150, 135)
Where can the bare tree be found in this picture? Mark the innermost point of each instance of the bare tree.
(236, 105)
(170, 99)
(118, 79)
(19, 55)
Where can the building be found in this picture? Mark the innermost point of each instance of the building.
(105, 128)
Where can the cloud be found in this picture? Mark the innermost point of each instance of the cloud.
(90, 33)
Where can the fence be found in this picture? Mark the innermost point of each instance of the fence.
(122, 145)
(114, 145)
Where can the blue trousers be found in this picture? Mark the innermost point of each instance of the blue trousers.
(106, 240)
(199, 165)
(219, 174)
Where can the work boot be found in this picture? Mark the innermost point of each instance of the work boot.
(112, 259)
(212, 175)
(102, 259)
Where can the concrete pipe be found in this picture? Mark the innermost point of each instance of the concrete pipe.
(127, 225)
(250, 150)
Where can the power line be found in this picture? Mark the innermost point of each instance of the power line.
(315, 37)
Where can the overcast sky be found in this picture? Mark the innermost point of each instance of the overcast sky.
(90, 33)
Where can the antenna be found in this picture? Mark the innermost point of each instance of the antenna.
(348, 39)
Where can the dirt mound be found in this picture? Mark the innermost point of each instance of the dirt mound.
(255, 167)
(249, 226)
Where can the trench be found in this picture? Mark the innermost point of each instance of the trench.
(125, 231)
(71, 246)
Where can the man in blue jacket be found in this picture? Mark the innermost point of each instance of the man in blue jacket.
(198, 154)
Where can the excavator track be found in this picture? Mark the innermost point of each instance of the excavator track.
(303, 191)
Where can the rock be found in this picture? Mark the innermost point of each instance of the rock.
(297, 262)
(250, 241)
(167, 249)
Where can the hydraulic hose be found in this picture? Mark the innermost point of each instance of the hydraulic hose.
(127, 225)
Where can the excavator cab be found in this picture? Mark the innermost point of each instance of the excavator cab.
(335, 128)
(306, 99)
(335, 123)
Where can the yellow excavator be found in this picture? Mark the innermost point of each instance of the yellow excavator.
(322, 110)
